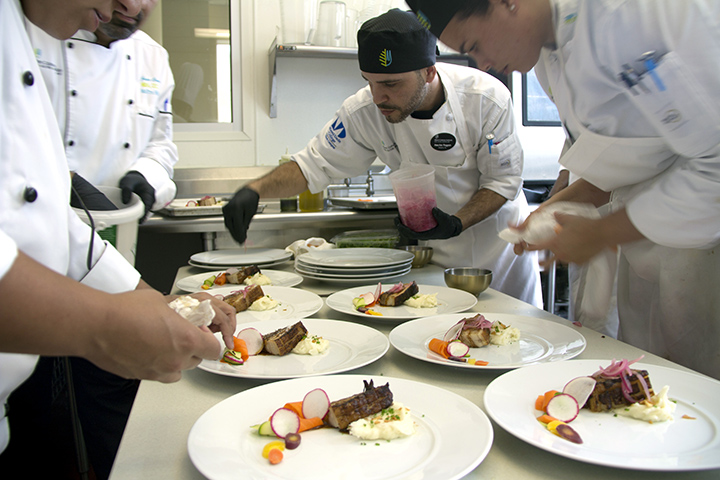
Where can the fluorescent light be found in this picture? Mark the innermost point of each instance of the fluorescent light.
(212, 33)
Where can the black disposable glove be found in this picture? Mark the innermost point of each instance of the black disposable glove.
(92, 198)
(239, 211)
(447, 226)
(134, 182)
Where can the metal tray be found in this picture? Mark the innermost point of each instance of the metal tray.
(179, 208)
(365, 203)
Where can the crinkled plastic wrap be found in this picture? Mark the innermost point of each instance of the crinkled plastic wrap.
(198, 313)
(298, 247)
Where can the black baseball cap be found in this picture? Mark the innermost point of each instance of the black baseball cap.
(434, 14)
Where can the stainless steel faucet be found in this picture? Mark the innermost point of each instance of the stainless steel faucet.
(347, 184)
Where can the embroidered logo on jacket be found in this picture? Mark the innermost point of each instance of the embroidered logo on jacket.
(424, 20)
(150, 86)
(335, 133)
(386, 58)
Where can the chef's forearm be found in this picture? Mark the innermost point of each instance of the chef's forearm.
(617, 229)
(283, 181)
(580, 191)
(482, 204)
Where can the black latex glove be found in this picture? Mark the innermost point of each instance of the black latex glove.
(92, 198)
(447, 226)
(134, 182)
(238, 212)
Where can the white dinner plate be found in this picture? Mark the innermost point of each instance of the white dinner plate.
(450, 300)
(541, 341)
(292, 303)
(402, 269)
(357, 257)
(279, 278)
(207, 267)
(351, 346)
(355, 280)
(678, 445)
(343, 271)
(453, 436)
(241, 257)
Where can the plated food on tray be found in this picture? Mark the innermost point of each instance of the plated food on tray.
(289, 348)
(208, 281)
(434, 449)
(489, 341)
(621, 413)
(403, 301)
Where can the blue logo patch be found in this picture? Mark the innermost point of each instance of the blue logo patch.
(336, 133)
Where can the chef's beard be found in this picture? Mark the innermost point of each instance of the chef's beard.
(116, 29)
(415, 101)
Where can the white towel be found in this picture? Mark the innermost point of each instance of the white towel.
(594, 297)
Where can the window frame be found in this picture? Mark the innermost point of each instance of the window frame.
(526, 121)
(242, 126)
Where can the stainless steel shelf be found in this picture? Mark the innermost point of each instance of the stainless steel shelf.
(317, 51)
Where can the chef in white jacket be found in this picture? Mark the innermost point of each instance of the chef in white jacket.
(50, 270)
(416, 112)
(111, 92)
(637, 86)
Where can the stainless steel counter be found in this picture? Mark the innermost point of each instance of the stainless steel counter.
(154, 445)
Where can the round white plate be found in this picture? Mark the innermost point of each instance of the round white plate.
(357, 257)
(279, 278)
(450, 300)
(225, 267)
(453, 436)
(241, 256)
(293, 303)
(357, 280)
(678, 445)
(402, 269)
(541, 341)
(351, 346)
(349, 271)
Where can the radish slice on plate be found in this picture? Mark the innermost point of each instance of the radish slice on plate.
(580, 389)
(284, 421)
(457, 349)
(563, 407)
(253, 340)
(315, 404)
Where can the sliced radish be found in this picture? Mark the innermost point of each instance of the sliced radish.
(457, 349)
(454, 332)
(563, 407)
(368, 297)
(315, 404)
(568, 433)
(377, 293)
(284, 421)
(580, 389)
(253, 340)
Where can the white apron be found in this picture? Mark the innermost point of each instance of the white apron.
(667, 297)
(478, 246)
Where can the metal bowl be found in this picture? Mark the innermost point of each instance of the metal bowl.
(422, 254)
(472, 280)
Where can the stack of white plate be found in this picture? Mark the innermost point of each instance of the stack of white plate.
(353, 265)
(240, 257)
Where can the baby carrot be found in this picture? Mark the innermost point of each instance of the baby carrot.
(439, 346)
(295, 407)
(240, 347)
(275, 456)
(546, 419)
(310, 423)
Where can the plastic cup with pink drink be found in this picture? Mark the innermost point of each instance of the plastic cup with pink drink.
(414, 188)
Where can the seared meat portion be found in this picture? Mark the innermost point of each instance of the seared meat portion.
(372, 400)
(282, 341)
(244, 298)
(238, 275)
(395, 297)
(608, 392)
(475, 337)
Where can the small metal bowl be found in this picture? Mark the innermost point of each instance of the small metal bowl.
(471, 280)
(422, 254)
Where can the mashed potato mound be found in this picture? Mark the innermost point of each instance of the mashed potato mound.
(264, 303)
(258, 279)
(422, 300)
(311, 345)
(392, 422)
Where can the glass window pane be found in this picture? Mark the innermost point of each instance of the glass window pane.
(196, 34)
(538, 109)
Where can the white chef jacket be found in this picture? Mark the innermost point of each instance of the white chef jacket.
(476, 105)
(36, 217)
(656, 147)
(113, 107)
